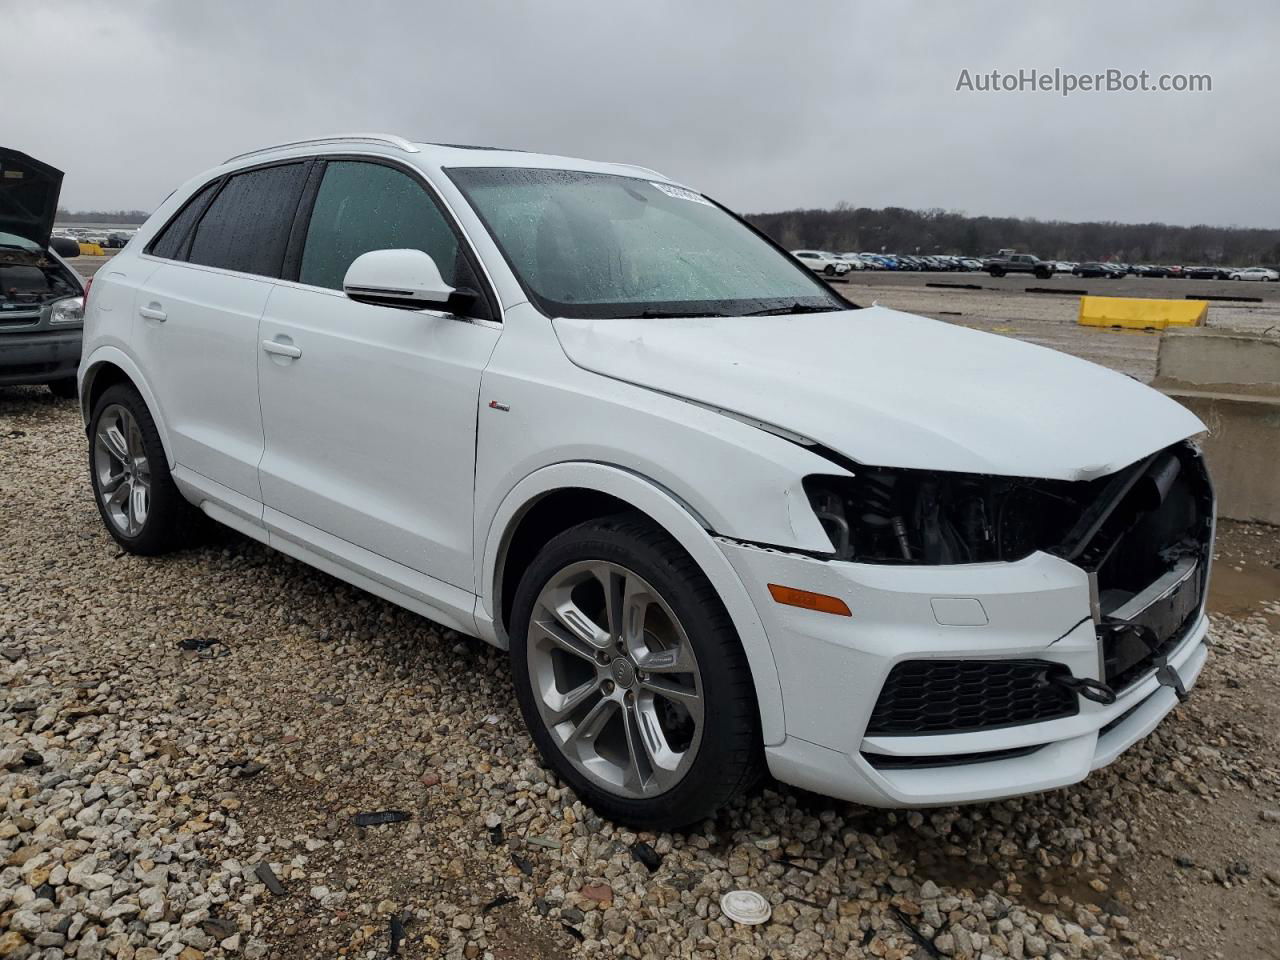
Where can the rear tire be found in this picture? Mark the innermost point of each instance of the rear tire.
(700, 747)
(996, 272)
(64, 389)
(829, 270)
(140, 504)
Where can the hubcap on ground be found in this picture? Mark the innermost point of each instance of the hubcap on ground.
(123, 474)
(615, 679)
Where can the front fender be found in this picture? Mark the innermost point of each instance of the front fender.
(674, 517)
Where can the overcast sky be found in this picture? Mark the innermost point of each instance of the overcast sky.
(765, 105)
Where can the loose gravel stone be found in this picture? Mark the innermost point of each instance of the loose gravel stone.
(155, 804)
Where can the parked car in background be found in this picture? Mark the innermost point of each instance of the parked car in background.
(1097, 269)
(868, 262)
(585, 414)
(820, 261)
(1206, 273)
(41, 295)
(1062, 266)
(1256, 273)
(971, 264)
(853, 260)
(1001, 264)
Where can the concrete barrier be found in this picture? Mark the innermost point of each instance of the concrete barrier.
(1231, 381)
(1141, 313)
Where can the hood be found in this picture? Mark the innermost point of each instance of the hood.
(28, 196)
(895, 390)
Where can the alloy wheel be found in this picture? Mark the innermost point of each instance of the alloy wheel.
(122, 471)
(615, 679)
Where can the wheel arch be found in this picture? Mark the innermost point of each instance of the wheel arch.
(557, 497)
(107, 366)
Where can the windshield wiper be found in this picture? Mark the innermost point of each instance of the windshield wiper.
(794, 308)
(670, 314)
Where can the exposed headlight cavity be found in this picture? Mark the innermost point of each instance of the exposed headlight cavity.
(928, 517)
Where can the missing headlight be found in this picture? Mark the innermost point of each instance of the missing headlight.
(929, 517)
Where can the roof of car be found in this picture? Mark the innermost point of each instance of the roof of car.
(426, 153)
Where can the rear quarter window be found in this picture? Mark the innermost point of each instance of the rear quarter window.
(246, 227)
(170, 241)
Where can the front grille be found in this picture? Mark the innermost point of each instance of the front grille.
(955, 696)
(882, 761)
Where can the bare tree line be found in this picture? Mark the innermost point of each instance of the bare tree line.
(101, 216)
(937, 231)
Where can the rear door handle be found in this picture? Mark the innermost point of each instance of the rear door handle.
(281, 349)
(153, 313)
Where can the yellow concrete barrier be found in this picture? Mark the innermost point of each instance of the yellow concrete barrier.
(91, 250)
(1139, 313)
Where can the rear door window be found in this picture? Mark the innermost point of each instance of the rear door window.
(246, 228)
(369, 206)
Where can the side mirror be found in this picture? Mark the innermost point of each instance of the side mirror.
(408, 279)
(64, 247)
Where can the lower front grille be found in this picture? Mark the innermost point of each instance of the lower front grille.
(956, 696)
(882, 761)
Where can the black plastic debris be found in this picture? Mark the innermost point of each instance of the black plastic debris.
(523, 864)
(921, 940)
(496, 835)
(219, 927)
(793, 864)
(573, 932)
(264, 873)
(396, 935)
(645, 854)
(206, 648)
(807, 903)
(497, 902)
(379, 817)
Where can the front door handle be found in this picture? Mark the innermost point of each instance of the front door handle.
(281, 349)
(153, 313)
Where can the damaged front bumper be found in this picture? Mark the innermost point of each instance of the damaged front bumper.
(1034, 614)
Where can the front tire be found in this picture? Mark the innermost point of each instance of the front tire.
(136, 496)
(631, 677)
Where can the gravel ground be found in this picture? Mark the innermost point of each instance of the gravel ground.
(163, 802)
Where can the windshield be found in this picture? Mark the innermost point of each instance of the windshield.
(599, 245)
(22, 243)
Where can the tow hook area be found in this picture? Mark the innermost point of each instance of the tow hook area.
(1167, 676)
(1087, 687)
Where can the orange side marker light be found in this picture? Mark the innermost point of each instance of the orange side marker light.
(791, 597)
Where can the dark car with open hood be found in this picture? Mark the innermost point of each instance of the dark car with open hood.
(41, 295)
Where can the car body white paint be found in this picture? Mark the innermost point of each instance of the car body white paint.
(458, 427)
(896, 390)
